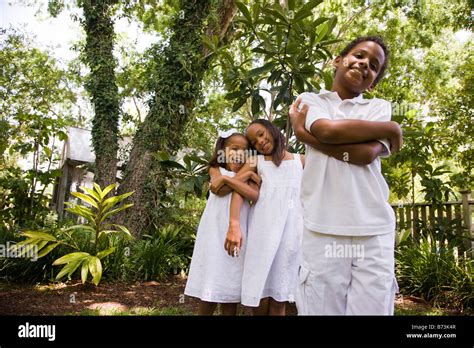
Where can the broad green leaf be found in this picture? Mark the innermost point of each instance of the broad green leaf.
(112, 212)
(91, 193)
(39, 235)
(245, 11)
(45, 251)
(98, 190)
(69, 269)
(70, 258)
(79, 227)
(107, 190)
(95, 267)
(84, 270)
(85, 198)
(104, 253)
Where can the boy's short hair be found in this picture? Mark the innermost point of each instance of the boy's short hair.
(378, 40)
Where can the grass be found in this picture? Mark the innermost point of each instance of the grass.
(141, 311)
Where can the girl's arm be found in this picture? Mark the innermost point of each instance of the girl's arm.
(233, 239)
(248, 191)
(218, 184)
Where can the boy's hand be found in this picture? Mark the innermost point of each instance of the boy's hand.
(297, 117)
(396, 141)
(233, 241)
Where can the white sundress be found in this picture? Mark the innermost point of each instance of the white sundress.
(275, 230)
(214, 276)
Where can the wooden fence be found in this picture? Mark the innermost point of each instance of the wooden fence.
(426, 215)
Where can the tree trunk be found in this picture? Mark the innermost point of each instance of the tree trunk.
(179, 70)
(102, 88)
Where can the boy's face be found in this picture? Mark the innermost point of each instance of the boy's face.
(358, 70)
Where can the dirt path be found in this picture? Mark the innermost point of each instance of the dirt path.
(116, 298)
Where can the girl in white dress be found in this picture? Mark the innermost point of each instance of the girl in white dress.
(275, 223)
(214, 276)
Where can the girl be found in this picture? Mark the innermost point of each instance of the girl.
(275, 223)
(215, 277)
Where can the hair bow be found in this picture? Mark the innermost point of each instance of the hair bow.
(226, 134)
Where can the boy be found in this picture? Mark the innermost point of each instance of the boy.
(349, 226)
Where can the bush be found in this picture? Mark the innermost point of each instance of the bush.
(431, 269)
(167, 251)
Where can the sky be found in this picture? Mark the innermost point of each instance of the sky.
(60, 33)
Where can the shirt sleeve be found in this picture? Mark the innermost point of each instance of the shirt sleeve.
(382, 112)
(317, 108)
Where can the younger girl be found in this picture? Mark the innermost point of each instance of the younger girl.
(215, 277)
(275, 223)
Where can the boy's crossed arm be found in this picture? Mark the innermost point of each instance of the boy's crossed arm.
(352, 141)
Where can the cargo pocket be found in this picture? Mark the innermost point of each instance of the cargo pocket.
(308, 293)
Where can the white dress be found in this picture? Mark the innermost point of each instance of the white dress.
(214, 276)
(275, 230)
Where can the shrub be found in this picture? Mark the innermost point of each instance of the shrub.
(432, 269)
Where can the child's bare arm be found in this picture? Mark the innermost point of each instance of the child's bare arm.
(248, 191)
(218, 185)
(234, 234)
(359, 154)
(357, 131)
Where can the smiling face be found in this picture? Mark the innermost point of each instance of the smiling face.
(235, 149)
(357, 71)
(260, 138)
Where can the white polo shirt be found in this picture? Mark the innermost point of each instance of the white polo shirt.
(338, 197)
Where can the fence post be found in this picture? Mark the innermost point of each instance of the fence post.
(466, 215)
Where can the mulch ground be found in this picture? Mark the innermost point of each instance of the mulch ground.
(73, 298)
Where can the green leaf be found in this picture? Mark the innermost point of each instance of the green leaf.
(115, 211)
(301, 14)
(70, 258)
(79, 227)
(85, 198)
(107, 190)
(69, 269)
(239, 103)
(91, 193)
(84, 270)
(161, 156)
(322, 31)
(104, 253)
(260, 70)
(244, 11)
(39, 235)
(95, 267)
(98, 190)
(45, 251)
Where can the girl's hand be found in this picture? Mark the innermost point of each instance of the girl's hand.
(297, 117)
(256, 178)
(217, 183)
(233, 241)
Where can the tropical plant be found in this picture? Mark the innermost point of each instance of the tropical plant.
(434, 269)
(94, 233)
(289, 44)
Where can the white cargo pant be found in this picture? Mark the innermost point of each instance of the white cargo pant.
(342, 275)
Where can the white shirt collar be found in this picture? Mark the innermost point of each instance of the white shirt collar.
(359, 99)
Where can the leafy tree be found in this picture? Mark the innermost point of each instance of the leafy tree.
(35, 102)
